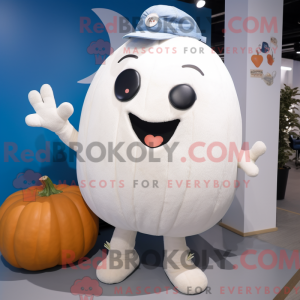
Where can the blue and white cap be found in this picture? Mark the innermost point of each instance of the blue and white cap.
(161, 22)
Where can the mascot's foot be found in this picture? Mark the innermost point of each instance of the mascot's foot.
(122, 259)
(184, 275)
(115, 268)
(187, 281)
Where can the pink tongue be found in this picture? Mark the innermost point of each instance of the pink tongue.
(152, 141)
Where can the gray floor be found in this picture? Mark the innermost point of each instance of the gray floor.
(288, 222)
(294, 295)
(287, 236)
(227, 272)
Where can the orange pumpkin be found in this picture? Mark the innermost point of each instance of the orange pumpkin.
(41, 224)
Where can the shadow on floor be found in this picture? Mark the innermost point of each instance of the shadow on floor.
(150, 249)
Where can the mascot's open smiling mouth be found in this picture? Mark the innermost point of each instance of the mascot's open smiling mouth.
(181, 97)
(153, 134)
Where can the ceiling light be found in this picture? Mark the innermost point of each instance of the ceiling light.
(286, 68)
(200, 3)
(298, 52)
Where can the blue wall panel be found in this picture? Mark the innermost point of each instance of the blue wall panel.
(41, 42)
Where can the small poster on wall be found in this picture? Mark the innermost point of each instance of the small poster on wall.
(264, 54)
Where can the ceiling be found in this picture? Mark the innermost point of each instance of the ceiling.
(291, 25)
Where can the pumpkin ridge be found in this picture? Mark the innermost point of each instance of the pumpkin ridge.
(79, 194)
(56, 216)
(92, 221)
(84, 241)
(18, 193)
(39, 235)
(10, 204)
(39, 228)
(73, 190)
(30, 208)
(72, 204)
(14, 233)
(83, 235)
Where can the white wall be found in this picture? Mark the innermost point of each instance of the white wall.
(254, 208)
(290, 78)
(296, 74)
(287, 76)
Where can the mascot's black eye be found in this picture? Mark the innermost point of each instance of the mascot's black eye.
(182, 96)
(127, 85)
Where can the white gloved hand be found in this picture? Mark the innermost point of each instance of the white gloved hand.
(47, 115)
(50, 117)
(250, 168)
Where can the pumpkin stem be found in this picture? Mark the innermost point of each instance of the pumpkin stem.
(49, 188)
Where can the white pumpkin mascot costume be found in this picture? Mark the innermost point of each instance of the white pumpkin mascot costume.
(162, 109)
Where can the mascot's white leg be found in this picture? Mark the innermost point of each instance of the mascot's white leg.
(121, 260)
(182, 272)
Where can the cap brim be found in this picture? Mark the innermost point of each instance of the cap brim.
(149, 35)
(156, 36)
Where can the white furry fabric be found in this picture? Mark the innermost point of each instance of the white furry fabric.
(215, 116)
(112, 270)
(189, 197)
(181, 271)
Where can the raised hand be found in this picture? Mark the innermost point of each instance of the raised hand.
(47, 115)
(250, 168)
